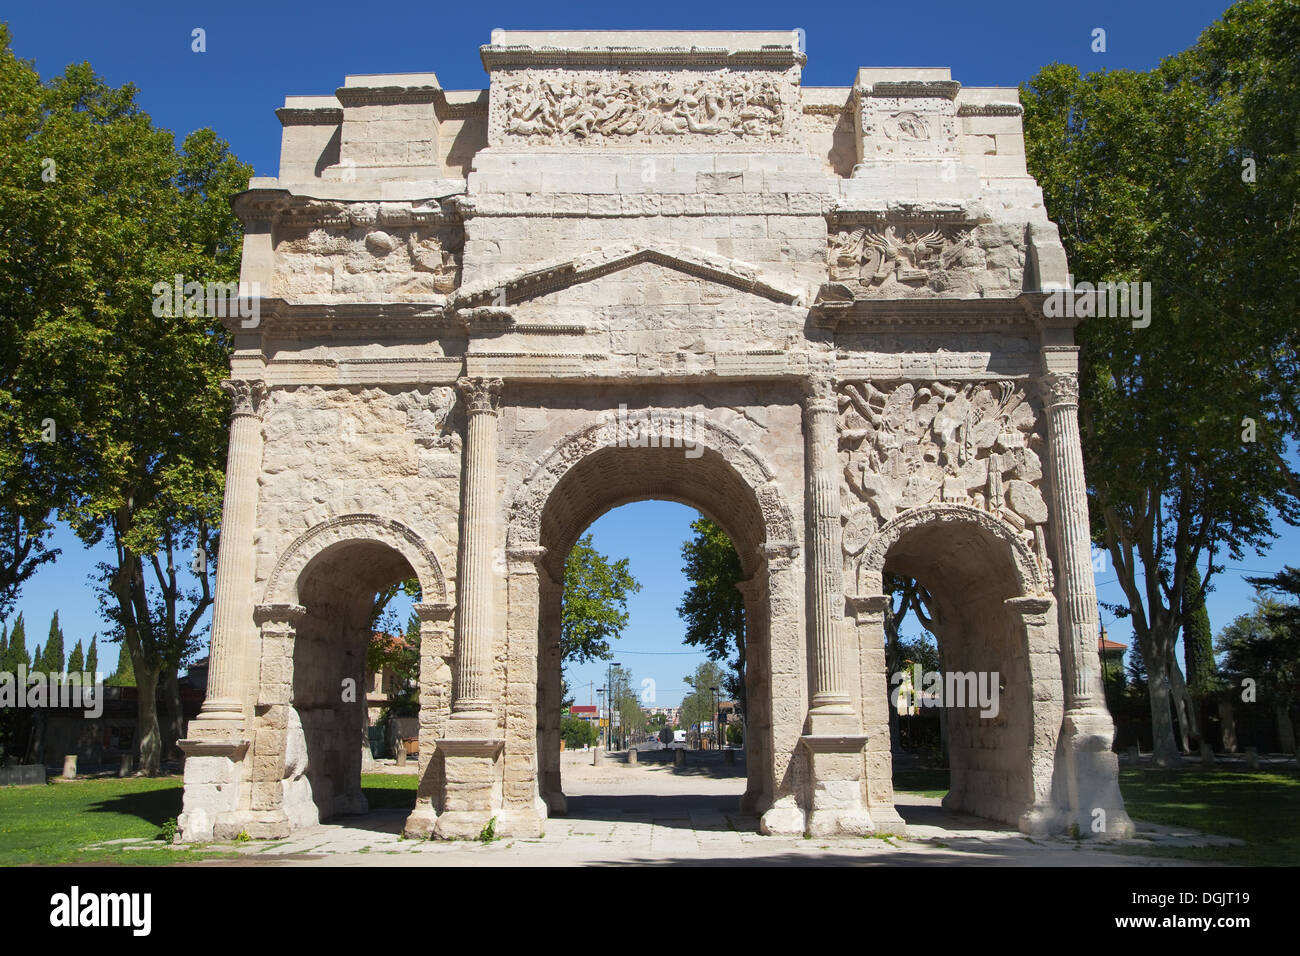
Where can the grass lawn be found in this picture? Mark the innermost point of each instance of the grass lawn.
(1261, 808)
(55, 823)
(389, 791)
(925, 783)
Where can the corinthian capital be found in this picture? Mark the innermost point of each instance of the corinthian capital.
(819, 393)
(1061, 388)
(481, 395)
(246, 397)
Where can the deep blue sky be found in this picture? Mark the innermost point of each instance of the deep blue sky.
(259, 53)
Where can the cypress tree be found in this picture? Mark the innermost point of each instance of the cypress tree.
(18, 647)
(4, 646)
(1198, 642)
(54, 659)
(92, 655)
(76, 660)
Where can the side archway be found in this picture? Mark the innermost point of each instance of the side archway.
(994, 615)
(283, 585)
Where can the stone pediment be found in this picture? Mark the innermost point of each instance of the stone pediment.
(494, 296)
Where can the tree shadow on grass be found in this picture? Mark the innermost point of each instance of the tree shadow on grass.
(152, 806)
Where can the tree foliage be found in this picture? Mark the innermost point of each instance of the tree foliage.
(594, 611)
(1186, 422)
(139, 418)
(713, 607)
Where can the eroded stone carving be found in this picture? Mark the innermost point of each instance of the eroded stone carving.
(617, 107)
(907, 446)
(368, 251)
(431, 418)
(893, 260)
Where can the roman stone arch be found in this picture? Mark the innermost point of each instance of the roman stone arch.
(528, 504)
(600, 466)
(671, 222)
(1030, 575)
(994, 616)
(283, 582)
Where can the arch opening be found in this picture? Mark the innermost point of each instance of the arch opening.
(994, 666)
(610, 477)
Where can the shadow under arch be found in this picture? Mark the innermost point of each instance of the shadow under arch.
(598, 468)
(994, 615)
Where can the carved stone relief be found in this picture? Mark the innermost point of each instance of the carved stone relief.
(908, 445)
(612, 108)
(923, 259)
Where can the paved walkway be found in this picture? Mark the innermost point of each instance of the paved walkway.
(655, 813)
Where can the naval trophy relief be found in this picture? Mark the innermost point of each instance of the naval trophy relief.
(614, 109)
(907, 445)
(892, 260)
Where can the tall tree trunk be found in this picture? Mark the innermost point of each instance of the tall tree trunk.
(1183, 704)
(1164, 748)
(1285, 730)
(173, 724)
(146, 683)
(1228, 721)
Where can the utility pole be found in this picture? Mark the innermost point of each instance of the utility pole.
(714, 721)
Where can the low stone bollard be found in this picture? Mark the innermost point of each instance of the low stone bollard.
(70, 767)
(1252, 759)
(598, 757)
(729, 758)
(679, 757)
(1133, 755)
(401, 755)
(1207, 755)
(124, 768)
(631, 755)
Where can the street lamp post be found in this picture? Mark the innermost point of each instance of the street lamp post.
(609, 682)
(600, 707)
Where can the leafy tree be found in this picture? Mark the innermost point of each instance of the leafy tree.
(1262, 648)
(1144, 174)
(578, 733)
(697, 706)
(713, 607)
(135, 397)
(594, 608)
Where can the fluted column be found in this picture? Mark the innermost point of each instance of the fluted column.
(1078, 590)
(1095, 805)
(825, 561)
(232, 610)
(478, 534)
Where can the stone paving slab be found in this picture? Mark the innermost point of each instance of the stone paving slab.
(630, 816)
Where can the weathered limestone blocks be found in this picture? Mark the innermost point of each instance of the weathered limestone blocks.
(648, 265)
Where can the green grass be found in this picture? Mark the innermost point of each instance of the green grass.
(925, 783)
(55, 823)
(1261, 808)
(389, 791)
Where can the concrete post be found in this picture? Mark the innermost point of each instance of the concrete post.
(70, 767)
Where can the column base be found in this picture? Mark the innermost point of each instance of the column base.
(1043, 821)
(835, 765)
(784, 818)
(521, 823)
(473, 787)
(257, 825)
(1096, 807)
(420, 824)
(213, 780)
(887, 820)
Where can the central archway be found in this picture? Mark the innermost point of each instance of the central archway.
(603, 466)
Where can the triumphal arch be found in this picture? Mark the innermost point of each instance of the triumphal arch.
(651, 265)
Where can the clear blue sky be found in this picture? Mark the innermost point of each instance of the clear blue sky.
(259, 53)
